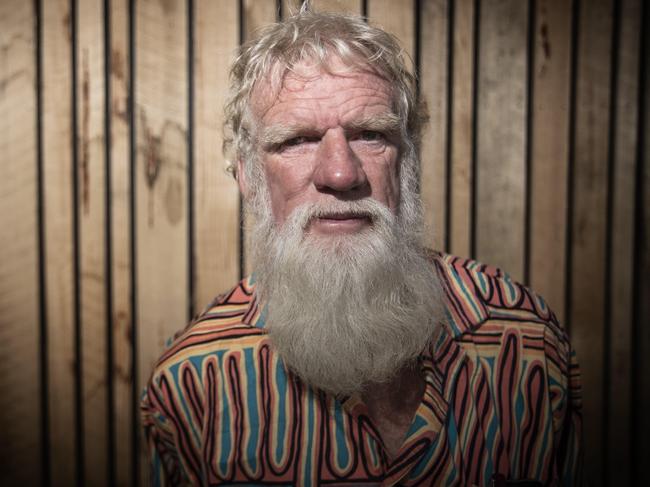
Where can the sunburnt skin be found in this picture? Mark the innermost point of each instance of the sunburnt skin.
(328, 136)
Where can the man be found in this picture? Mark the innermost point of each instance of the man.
(353, 356)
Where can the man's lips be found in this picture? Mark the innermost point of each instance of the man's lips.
(339, 222)
(344, 216)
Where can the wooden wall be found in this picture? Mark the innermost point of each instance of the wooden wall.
(118, 221)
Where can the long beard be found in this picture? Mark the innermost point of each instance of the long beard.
(347, 311)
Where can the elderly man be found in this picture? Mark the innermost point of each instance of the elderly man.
(353, 356)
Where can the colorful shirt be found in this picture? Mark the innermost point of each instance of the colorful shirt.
(502, 396)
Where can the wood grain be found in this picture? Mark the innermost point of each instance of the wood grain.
(91, 211)
(338, 6)
(434, 53)
(216, 196)
(622, 246)
(121, 312)
(641, 343)
(256, 15)
(501, 137)
(289, 8)
(549, 151)
(615, 398)
(588, 252)
(462, 130)
(161, 185)
(59, 244)
(19, 296)
(398, 18)
(341, 6)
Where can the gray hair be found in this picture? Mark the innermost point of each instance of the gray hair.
(317, 36)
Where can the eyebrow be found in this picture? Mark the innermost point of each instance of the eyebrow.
(274, 135)
(387, 122)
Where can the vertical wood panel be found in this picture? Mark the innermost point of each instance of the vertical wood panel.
(256, 14)
(121, 313)
(434, 53)
(549, 151)
(398, 18)
(19, 300)
(59, 245)
(289, 7)
(216, 210)
(621, 232)
(589, 209)
(339, 6)
(161, 186)
(91, 212)
(641, 344)
(160, 179)
(462, 129)
(501, 140)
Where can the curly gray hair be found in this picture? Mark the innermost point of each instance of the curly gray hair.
(317, 37)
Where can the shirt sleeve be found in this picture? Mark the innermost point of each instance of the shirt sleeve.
(166, 469)
(569, 449)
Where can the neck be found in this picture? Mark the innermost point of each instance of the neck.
(392, 405)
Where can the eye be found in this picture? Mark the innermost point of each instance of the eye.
(371, 136)
(296, 142)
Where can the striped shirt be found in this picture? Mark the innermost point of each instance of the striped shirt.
(502, 395)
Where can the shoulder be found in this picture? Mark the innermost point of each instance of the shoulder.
(503, 340)
(483, 301)
(227, 323)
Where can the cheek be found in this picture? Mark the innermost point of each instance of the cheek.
(384, 180)
(286, 184)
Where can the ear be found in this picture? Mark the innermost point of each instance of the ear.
(241, 179)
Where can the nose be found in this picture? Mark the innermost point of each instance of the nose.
(338, 168)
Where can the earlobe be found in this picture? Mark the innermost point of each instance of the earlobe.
(241, 179)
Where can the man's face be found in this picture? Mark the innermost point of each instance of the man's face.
(326, 137)
(355, 299)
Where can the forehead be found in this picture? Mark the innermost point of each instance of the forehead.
(336, 89)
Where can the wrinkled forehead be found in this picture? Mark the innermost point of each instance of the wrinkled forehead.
(296, 77)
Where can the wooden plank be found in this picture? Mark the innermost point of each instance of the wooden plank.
(19, 298)
(622, 250)
(549, 151)
(586, 319)
(434, 52)
(216, 196)
(289, 7)
(398, 18)
(462, 129)
(91, 212)
(338, 6)
(641, 343)
(256, 14)
(501, 137)
(161, 217)
(59, 255)
(121, 312)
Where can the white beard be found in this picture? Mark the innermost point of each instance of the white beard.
(347, 311)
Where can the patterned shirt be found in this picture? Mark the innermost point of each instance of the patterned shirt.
(502, 395)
